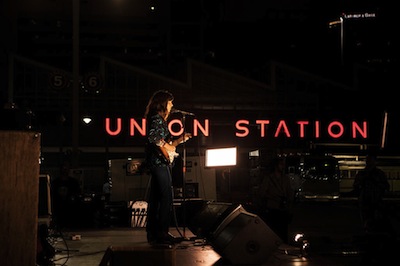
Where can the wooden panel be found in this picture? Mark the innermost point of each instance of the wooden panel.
(19, 189)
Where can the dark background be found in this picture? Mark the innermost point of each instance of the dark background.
(237, 36)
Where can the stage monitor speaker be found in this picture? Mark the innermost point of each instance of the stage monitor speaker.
(140, 256)
(238, 236)
(208, 217)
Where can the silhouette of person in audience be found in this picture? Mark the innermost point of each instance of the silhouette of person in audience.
(371, 184)
(65, 194)
(274, 198)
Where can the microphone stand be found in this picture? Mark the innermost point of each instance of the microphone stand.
(183, 171)
(184, 176)
(183, 204)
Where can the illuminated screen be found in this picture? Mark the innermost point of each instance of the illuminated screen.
(221, 157)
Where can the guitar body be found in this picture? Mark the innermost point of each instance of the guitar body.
(166, 155)
(169, 157)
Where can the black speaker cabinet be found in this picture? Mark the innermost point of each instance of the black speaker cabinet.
(207, 217)
(244, 238)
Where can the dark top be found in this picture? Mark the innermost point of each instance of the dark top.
(157, 133)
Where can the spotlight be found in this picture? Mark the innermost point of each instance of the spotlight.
(303, 243)
(87, 119)
(298, 237)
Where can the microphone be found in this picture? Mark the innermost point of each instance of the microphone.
(182, 112)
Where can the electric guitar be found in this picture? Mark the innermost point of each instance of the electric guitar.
(168, 156)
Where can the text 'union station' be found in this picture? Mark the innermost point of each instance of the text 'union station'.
(267, 128)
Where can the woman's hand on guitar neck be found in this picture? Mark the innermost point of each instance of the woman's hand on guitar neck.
(181, 139)
(186, 137)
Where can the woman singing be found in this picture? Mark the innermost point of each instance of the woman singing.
(160, 151)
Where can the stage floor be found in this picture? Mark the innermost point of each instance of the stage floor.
(332, 229)
(128, 246)
(91, 248)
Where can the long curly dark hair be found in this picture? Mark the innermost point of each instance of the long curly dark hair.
(158, 103)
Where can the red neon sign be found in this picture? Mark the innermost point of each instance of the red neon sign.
(334, 129)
